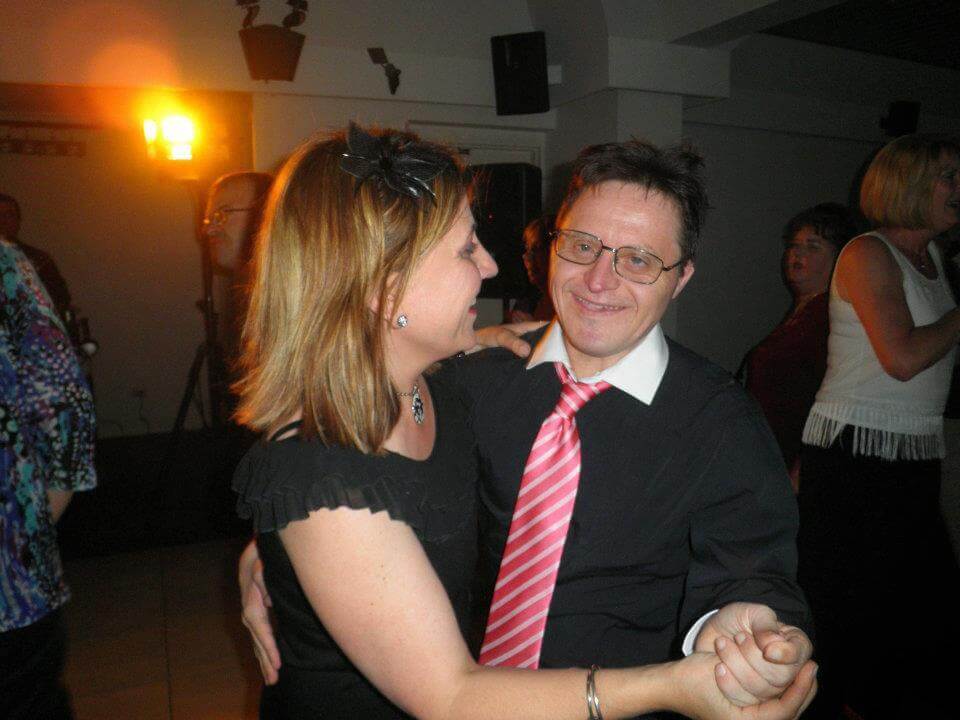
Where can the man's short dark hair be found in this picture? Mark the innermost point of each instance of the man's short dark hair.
(10, 200)
(674, 172)
(834, 222)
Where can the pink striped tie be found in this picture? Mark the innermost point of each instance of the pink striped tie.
(538, 531)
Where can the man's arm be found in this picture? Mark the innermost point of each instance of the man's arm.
(743, 527)
(743, 544)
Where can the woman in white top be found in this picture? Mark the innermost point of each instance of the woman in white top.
(873, 556)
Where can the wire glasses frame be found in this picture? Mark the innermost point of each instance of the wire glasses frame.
(218, 217)
(631, 263)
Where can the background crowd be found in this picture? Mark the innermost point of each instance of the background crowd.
(853, 382)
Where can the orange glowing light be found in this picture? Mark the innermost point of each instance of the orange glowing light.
(150, 131)
(170, 138)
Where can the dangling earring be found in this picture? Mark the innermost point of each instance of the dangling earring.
(402, 321)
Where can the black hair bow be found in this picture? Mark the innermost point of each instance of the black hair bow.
(403, 166)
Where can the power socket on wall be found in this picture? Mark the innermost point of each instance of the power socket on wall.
(140, 394)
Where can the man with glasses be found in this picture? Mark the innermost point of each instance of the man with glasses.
(683, 506)
(234, 206)
(662, 519)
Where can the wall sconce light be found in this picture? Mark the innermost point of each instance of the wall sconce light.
(272, 52)
(170, 138)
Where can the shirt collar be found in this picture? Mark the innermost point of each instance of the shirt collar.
(638, 373)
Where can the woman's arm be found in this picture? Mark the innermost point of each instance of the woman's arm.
(58, 501)
(375, 591)
(869, 278)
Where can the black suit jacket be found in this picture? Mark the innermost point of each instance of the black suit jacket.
(683, 506)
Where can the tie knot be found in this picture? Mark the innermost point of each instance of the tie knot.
(574, 395)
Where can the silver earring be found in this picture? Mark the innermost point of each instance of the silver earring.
(402, 320)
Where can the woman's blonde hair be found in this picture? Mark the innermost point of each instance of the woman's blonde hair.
(333, 246)
(898, 186)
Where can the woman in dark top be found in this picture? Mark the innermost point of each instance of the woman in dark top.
(784, 370)
(365, 275)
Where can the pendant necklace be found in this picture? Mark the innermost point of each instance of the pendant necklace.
(416, 406)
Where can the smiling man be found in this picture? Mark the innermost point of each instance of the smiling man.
(676, 502)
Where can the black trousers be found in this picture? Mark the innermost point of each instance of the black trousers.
(882, 583)
(31, 669)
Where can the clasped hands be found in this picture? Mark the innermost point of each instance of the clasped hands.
(760, 657)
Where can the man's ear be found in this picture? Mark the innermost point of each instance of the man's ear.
(688, 268)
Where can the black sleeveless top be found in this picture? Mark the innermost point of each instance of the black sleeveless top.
(283, 481)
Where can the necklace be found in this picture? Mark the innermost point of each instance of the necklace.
(416, 406)
(916, 257)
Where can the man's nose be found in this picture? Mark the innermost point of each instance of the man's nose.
(601, 274)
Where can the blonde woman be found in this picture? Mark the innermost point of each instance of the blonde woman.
(873, 554)
(363, 490)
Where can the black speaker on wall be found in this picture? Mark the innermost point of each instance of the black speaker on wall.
(901, 119)
(507, 197)
(520, 73)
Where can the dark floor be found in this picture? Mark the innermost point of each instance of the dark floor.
(150, 556)
(156, 635)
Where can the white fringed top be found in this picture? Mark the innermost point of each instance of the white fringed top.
(891, 419)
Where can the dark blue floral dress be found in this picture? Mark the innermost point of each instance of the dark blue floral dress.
(46, 440)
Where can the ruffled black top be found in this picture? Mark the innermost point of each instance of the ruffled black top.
(283, 481)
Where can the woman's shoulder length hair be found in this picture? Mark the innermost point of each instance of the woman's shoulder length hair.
(897, 188)
(333, 248)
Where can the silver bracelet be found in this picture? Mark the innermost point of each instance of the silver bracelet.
(593, 702)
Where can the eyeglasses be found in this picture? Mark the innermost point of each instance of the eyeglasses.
(631, 263)
(219, 216)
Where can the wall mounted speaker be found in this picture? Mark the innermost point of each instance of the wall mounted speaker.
(272, 52)
(901, 119)
(520, 73)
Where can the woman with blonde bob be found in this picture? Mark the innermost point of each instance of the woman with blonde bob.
(363, 489)
(872, 548)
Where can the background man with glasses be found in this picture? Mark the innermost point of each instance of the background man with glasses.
(683, 506)
(234, 206)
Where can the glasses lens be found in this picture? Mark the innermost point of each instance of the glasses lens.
(577, 247)
(216, 219)
(638, 265)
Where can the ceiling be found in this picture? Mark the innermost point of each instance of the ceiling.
(924, 31)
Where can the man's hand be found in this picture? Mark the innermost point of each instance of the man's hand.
(256, 616)
(506, 336)
(761, 656)
(699, 676)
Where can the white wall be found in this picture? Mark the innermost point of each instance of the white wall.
(783, 124)
(441, 47)
(123, 240)
(757, 179)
